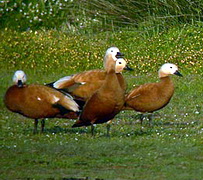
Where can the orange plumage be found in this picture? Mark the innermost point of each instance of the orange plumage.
(37, 101)
(89, 81)
(151, 97)
(106, 102)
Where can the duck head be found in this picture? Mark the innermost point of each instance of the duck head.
(120, 65)
(19, 78)
(113, 53)
(168, 69)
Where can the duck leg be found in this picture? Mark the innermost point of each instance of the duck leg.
(42, 125)
(35, 126)
(150, 117)
(108, 127)
(141, 118)
(92, 129)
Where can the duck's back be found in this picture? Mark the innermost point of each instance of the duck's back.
(90, 76)
(35, 101)
(151, 97)
(89, 82)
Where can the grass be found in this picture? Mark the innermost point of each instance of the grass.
(93, 16)
(171, 149)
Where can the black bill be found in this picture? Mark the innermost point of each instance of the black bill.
(119, 55)
(128, 68)
(178, 73)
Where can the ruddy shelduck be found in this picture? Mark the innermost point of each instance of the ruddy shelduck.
(37, 101)
(151, 97)
(89, 81)
(105, 102)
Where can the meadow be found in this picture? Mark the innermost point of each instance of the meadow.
(170, 149)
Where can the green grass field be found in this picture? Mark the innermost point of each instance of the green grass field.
(171, 149)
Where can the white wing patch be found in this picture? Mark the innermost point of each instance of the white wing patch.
(71, 104)
(61, 81)
(55, 99)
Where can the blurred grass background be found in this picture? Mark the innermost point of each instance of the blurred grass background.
(97, 16)
(58, 33)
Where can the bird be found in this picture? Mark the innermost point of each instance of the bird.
(90, 87)
(151, 97)
(37, 101)
(107, 101)
(82, 85)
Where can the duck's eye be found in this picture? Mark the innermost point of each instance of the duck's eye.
(120, 62)
(171, 67)
(111, 50)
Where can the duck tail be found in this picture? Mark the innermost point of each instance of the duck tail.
(69, 103)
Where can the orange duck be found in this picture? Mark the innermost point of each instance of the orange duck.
(37, 101)
(151, 97)
(82, 85)
(107, 101)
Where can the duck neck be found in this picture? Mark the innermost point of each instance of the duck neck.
(166, 80)
(162, 74)
(118, 70)
(110, 81)
(167, 85)
(110, 65)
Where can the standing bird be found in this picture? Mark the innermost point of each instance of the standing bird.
(37, 101)
(82, 85)
(151, 97)
(107, 101)
(90, 81)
